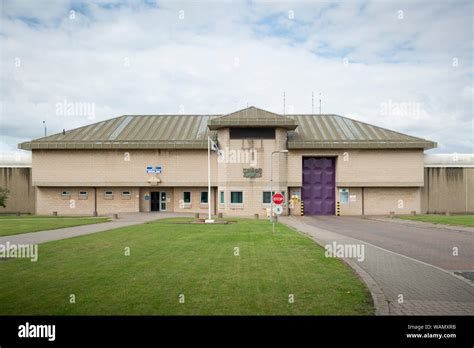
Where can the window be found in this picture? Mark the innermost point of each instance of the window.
(236, 197)
(66, 194)
(126, 195)
(187, 197)
(222, 197)
(109, 195)
(267, 197)
(82, 194)
(252, 133)
(344, 195)
(204, 197)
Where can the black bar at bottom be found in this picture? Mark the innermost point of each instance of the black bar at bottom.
(424, 330)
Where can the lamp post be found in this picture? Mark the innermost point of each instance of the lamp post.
(271, 181)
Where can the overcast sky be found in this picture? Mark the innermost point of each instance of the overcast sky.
(403, 65)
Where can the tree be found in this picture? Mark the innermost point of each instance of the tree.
(3, 196)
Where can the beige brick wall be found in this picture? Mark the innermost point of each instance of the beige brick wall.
(195, 206)
(383, 200)
(397, 170)
(50, 199)
(120, 168)
(354, 205)
(365, 167)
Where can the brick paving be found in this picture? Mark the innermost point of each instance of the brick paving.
(426, 290)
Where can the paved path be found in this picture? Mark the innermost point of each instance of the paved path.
(425, 289)
(125, 219)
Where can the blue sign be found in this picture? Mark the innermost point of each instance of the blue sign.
(153, 170)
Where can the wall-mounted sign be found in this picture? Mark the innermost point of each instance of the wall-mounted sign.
(352, 198)
(343, 195)
(153, 170)
(147, 196)
(252, 172)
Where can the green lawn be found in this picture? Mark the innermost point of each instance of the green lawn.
(22, 224)
(198, 261)
(464, 220)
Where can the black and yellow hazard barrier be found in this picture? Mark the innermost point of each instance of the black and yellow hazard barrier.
(302, 208)
(338, 208)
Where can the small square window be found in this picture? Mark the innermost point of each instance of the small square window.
(66, 193)
(236, 197)
(187, 197)
(204, 197)
(109, 195)
(126, 195)
(83, 195)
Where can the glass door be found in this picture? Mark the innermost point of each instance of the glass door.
(162, 201)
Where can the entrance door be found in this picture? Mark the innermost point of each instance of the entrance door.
(319, 179)
(162, 201)
(155, 201)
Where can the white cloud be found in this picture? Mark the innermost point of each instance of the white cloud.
(138, 59)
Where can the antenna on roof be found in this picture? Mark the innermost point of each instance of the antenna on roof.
(44, 122)
(64, 131)
(284, 101)
(312, 102)
(320, 103)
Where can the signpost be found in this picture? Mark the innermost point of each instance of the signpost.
(278, 200)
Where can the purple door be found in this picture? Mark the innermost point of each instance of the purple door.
(318, 192)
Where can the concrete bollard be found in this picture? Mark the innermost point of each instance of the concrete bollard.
(116, 216)
(196, 215)
(55, 213)
(392, 214)
(255, 216)
(413, 213)
(219, 215)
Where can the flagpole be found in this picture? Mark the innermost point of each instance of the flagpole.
(209, 175)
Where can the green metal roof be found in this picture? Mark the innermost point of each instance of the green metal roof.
(191, 132)
(252, 117)
(334, 131)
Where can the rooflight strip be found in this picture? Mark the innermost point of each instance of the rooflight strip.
(120, 128)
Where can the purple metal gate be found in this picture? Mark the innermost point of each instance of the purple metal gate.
(318, 193)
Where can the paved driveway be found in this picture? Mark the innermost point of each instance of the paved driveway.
(125, 219)
(403, 285)
(431, 245)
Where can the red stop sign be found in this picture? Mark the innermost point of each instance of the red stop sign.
(278, 198)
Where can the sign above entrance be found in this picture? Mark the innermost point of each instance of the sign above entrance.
(278, 198)
(252, 173)
(153, 170)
